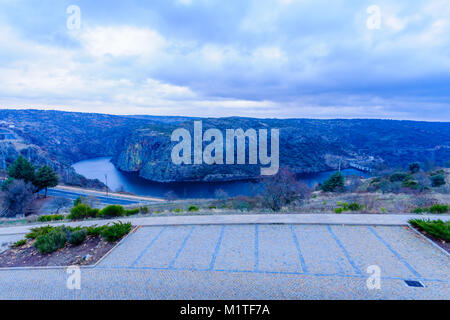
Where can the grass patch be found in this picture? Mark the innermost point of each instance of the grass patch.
(344, 206)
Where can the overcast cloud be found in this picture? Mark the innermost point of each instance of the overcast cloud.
(274, 58)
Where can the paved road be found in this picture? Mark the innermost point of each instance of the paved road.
(251, 262)
(103, 199)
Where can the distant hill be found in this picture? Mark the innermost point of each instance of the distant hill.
(142, 144)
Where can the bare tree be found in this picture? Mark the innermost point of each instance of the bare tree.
(17, 197)
(282, 189)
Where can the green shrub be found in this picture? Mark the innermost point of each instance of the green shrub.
(78, 201)
(177, 210)
(212, 207)
(131, 212)
(436, 228)
(437, 180)
(19, 243)
(53, 217)
(348, 207)
(77, 237)
(439, 208)
(95, 231)
(436, 208)
(36, 232)
(80, 212)
(412, 184)
(383, 210)
(193, 209)
(116, 231)
(93, 212)
(398, 177)
(334, 183)
(143, 209)
(52, 241)
(354, 206)
(112, 211)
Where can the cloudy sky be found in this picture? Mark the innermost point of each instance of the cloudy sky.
(261, 58)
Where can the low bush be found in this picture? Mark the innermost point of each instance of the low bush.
(53, 217)
(19, 243)
(439, 208)
(40, 231)
(212, 207)
(193, 209)
(177, 210)
(412, 184)
(112, 211)
(52, 241)
(344, 206)
(77, 237)
(95, 231)
(437, 180)
(398, 177)
(131, 212)
(354, 206)
(436, 208)
(116, 231)
(93, 212)
(437, 228)
(79, 212)
(143, 209)
(419, 210)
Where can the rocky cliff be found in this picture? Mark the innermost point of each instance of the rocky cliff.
(305, 146)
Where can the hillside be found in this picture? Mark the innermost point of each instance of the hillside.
(142, 144)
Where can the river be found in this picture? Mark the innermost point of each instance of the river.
(102, 168)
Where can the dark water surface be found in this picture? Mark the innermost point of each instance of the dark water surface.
(99, 167)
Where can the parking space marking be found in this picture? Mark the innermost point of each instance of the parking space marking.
(237, 250)
(299, 251)
(181, 247)
(256, 248)
(347, 255)
(148, 247)
(326, 250)
(395, 253)
(216, 250)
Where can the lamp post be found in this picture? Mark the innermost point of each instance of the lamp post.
(106, 180)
